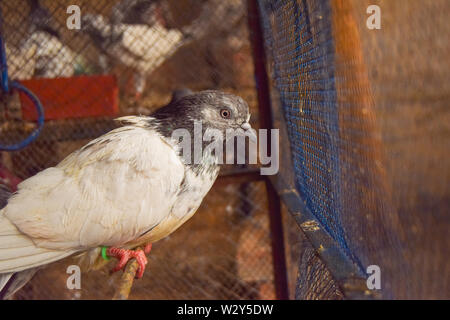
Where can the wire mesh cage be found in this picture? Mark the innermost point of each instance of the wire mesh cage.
(231, 262)
(149, 61)
(363, 122)
(364, 112)
(128, 57)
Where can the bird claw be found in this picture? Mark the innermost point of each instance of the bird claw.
(125, 255)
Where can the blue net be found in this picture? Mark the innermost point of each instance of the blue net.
(305, 79)
(354, 103)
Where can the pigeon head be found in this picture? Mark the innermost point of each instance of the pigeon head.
(203, 110)
(214, 109)
(219, 110)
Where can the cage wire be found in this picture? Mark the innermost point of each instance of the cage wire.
(364, 136)
(364, 114)
(140, 56)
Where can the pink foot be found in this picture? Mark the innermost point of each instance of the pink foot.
(125, 255)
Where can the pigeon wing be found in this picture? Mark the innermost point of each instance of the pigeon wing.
(107, 193)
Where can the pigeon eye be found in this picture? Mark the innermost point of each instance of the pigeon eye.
(225, 113)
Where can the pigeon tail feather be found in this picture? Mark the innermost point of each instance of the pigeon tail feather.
(10, 283)
(4, 278)
(18, 252)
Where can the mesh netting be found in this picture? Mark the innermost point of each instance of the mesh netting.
(364, 135)
(233, 261)
(87, 77)
(367, 118)
(311, 116)
(314, 280)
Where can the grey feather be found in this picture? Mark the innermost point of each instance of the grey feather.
(5, 193)
(15, 282)
(10, 283)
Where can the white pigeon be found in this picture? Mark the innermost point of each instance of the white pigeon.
(41, 54)
(130, 187)
(143, 48)
(52, 58)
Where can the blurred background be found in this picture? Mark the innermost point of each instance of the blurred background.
(364, 126)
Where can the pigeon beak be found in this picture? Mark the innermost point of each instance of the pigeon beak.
(247, 127)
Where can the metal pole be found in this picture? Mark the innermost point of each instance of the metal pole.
(265, 114)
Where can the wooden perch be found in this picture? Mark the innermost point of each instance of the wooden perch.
(127, 280)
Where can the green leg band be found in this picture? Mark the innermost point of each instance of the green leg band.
(104, 255)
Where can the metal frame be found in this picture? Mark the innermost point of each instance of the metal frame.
(265, 116)
(348, 275)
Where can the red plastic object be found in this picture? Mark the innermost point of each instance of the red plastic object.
(75, 97)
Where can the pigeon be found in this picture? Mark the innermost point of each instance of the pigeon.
(52, 58)
(42, 54)
(139, 47)
(127, 188)
(138, 35)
